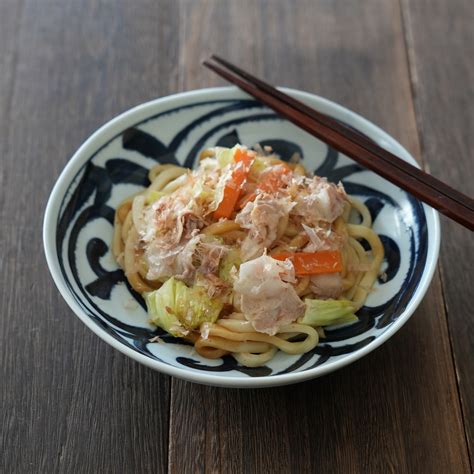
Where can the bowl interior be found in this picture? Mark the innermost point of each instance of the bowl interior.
(113, 164)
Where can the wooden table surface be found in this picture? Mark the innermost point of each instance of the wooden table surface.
(69, 402)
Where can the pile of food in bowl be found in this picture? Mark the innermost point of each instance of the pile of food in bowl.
(247, 254)
(206, 237)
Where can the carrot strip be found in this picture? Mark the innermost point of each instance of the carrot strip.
(232, 189)
(305, 263)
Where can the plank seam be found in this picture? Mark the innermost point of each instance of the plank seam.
(170, 421)
(456, 372)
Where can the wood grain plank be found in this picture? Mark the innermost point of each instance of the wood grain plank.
(440, 37)
(393, 410)
(70, 403)
(10, 14)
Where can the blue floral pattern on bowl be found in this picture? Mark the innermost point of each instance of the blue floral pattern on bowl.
(119, 167)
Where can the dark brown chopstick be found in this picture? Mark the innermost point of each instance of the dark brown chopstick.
(425, 187)
(350, 133)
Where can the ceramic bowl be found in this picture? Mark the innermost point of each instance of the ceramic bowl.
(113, 163)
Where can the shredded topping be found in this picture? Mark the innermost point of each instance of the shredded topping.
(317, 199)
(266, 295)
(261, 217)
(321, 238)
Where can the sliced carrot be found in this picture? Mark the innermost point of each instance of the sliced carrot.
(273, 180)
(243, 161)
(305, 263)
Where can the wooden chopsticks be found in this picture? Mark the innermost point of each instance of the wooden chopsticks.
(427, 188)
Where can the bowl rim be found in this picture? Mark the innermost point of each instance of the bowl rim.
(147, 109)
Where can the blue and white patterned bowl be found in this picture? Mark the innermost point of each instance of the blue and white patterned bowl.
(113, 163)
